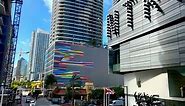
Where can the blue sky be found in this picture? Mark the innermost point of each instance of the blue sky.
(38, 15)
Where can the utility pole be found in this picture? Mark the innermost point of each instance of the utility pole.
(72, 92)
(23, 52)
(126, 94)
(43, 82)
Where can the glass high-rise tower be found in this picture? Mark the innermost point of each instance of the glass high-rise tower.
(21, 69)
(77, 21)
(40, 40)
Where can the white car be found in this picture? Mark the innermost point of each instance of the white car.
(117, 103)
(32, 103)
(25, 92)
(18, 99)
(28, 99)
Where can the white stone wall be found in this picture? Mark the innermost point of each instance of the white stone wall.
(152, 82)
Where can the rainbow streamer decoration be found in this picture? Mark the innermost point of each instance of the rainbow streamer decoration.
(64, 56)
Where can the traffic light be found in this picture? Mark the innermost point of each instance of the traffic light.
(130, 14)
(116, 23)
(147, 10)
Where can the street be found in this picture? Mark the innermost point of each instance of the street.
(39, 102)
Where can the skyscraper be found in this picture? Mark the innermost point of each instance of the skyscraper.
(40, 40)
(74, 22)
(5, 40)
(21, 69)
(77, 21)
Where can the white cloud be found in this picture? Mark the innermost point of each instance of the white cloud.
(46, 20)
(24, 43)
(48, 3)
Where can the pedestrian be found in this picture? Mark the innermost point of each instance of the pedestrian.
(182, 89)
(36, 96)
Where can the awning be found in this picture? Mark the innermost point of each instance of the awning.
(62, 92)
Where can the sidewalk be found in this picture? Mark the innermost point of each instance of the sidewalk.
(66, 105)
(42, 102)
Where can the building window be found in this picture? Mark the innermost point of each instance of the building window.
(114, 59)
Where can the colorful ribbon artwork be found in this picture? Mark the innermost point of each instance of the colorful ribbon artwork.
(64, 56)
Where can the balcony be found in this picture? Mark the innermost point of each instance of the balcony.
(116, 68)
(2, 8)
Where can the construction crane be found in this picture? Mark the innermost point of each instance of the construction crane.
(22, 52)
(15, 30)
(16, 21)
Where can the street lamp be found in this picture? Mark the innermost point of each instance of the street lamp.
(126, 94)
(2, 94)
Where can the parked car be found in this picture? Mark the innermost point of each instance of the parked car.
(117, 103)
(28, 99)
(91, 105)
(18, 99)
(25, 92)
(56, 100)
(32, 103)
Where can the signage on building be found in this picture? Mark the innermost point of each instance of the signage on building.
(113, 20)
(113, 24)
(148, 5)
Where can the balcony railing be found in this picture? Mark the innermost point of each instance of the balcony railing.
(116, 68)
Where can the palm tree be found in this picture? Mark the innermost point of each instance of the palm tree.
(50, 80)
(73, 80)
